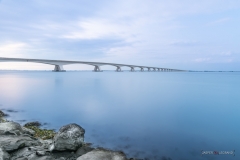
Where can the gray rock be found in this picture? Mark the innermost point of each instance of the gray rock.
(36, 124)
(4, 155)
(10, 128)
(45, 143)
(83, 150)
(28, 131)
(69, 137)
(31, 153)
(23, 153)
(12, 142)
(103, 154)
(39, 153)
(2, 114)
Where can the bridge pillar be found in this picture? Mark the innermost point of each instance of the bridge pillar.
(97, 69)
(142, 70)
(149, 69)
(154, 69)
(59, 68)
(118, 69)
(132, 69)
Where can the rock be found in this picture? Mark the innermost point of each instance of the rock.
(102, 154)
(10, 128)
(45, 143)
(83, 150)
(69, 137)
(36, 124)
(23, 153)
(12, 142)
(2, 114)
(4, 155)
(28, 131)
(39, 153)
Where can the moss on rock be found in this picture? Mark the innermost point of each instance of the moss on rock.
(42, 133)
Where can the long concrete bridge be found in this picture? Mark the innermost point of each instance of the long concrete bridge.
(59, 64)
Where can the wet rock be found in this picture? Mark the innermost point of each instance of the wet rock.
(10, 128)
(4, 155)
(69, 137)
(36, 124)
(12, 142)
(103, 154)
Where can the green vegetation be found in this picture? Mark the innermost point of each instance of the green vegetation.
(42, 133)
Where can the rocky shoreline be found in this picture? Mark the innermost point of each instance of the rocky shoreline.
(29, 142)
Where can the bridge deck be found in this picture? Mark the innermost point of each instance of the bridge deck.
(59, 64)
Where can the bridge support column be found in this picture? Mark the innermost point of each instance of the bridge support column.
(97, 69)
(142, 70)
(149, 69)
(154, 69)
(59, 68)
(132, 69)
(118, 69)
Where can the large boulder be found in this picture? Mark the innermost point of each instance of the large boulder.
(10, 128)
(12, 142)
(4, 155)
(69, 137)
(103, 154)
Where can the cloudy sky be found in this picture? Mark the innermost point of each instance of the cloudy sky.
(186, 34)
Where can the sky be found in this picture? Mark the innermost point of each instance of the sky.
(186, 34)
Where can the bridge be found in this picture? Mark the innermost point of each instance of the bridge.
(59, 65)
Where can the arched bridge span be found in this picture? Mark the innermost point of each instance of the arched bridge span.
(59, 64)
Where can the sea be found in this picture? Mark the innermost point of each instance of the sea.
(147, 115)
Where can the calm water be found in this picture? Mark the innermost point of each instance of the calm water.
(150, 114)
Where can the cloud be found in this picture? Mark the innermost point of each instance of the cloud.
(12, 49)
(200, 60)
(184, 43)
(219, 21)
(136, 31)
(96, 29)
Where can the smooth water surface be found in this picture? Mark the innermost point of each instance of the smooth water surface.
(146, 114)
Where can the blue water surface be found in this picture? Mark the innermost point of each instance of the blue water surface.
(155, 115)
